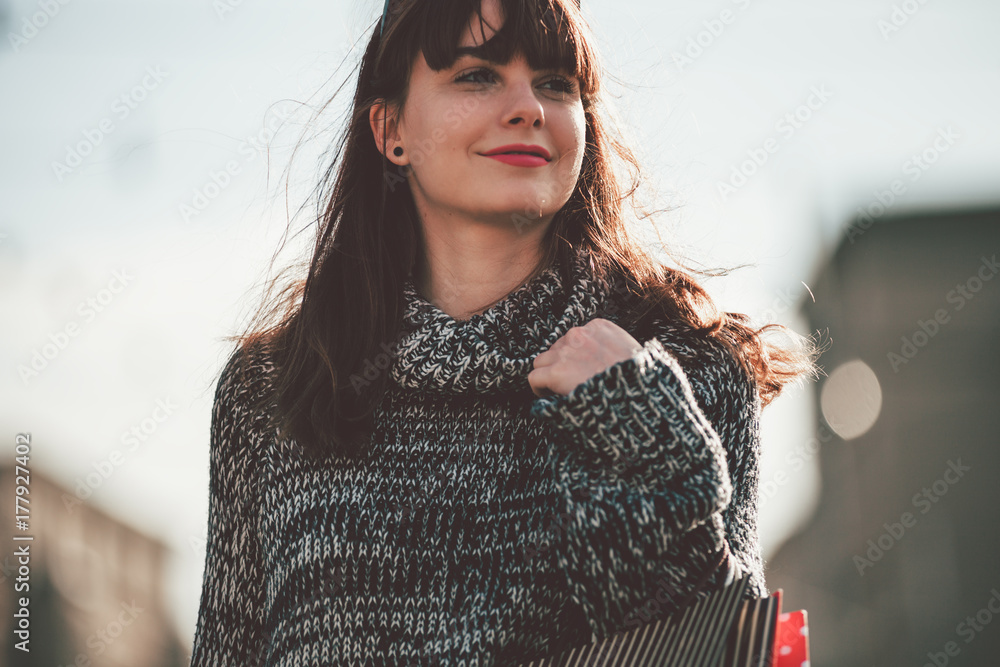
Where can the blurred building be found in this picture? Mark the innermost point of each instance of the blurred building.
(96, 591)
(899, 566)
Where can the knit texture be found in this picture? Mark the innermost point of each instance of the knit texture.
(483, 525)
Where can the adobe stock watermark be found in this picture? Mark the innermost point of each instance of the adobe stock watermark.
(713, 29)
(103, 469)
(372, 368)
(35, 23)
(924, 500)
(915, 166)
(785, 128)
(224, 8)
(783, 302)
(927, 329)
(88, 310)
(418, 498)
(218, 180)
(532, 211)
(420, 151)
(969, 629)
(900, 16)
(796, 460)
(103, 638)
(121, 108)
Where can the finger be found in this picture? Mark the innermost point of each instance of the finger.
(543, 360)
(549, 356)
(539, 381)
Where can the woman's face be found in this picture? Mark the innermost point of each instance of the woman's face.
(454, 117)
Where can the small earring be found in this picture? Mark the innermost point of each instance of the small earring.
(397, 151)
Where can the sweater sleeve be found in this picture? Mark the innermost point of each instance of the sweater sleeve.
(644, 483)
(229, 630)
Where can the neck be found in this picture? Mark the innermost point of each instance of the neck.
(492, 352)
(468, 267)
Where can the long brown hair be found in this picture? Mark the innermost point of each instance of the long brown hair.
(326, 332)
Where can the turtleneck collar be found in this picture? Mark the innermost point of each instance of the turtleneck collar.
(493, 351)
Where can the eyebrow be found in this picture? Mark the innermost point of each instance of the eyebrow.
(479, 51)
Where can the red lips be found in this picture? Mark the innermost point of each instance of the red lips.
(521, 148)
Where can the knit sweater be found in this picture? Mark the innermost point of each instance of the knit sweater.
(483, 525)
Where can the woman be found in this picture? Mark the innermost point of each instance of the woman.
(486, 426)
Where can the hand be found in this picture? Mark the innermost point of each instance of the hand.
(578, 355)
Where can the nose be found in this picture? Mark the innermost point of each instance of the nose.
(523, 105)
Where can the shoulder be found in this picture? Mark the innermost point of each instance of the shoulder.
(240, 422)
(245, 380)
(718, 377)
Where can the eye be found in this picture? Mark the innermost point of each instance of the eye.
(482, 71)
(563, 85)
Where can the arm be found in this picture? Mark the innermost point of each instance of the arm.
(645, 482)
(229, 630)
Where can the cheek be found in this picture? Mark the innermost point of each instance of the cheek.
(580, 128)
(464, 111)
(572, 134)
(572, 139)
(448, 130)
(431, 144)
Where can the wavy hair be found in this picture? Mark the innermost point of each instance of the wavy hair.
(321, 328)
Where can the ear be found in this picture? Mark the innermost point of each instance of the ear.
(384, 144)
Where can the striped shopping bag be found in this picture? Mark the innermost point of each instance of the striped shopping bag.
(723, 629)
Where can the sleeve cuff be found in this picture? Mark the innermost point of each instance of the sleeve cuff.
(637, 411)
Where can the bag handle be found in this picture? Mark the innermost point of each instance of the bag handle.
(724, 558)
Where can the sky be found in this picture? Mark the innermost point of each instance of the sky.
(147, 146)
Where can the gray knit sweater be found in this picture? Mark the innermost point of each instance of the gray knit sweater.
(484, 525)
